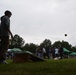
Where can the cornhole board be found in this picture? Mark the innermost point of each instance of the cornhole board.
(26, 57)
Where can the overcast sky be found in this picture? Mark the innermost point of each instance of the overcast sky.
(36, 20)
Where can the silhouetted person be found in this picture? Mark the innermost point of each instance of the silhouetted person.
(53, 52)
(61, 52)
(56, 52)
(44, 52)
(5, 32)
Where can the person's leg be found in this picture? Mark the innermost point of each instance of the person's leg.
(44, 54)
(61, 56)
(4, 47)
(48, 55)
(53, 55)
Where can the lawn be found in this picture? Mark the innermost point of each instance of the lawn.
(48, 67)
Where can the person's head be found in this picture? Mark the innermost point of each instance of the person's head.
(8, 13)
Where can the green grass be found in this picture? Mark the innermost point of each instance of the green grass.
(50, 67)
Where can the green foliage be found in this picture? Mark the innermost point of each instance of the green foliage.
(57, 43)
(66, 45)
(46, 43)
(74, 48)
(63, 44)
(17, 42)
(30, 47)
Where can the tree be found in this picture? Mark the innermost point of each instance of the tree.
(74, 48)
(46, 43)
(30, 47)
(17, 41)
(66, 45)
(63, 44)
(25, 47)
(57, 43)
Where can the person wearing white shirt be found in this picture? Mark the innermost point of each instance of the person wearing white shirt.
(56, 52)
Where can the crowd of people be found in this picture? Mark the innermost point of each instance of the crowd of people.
(52, 52)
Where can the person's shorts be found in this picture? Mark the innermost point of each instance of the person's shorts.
(4, 42)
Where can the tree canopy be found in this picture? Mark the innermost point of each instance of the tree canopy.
(18, 42)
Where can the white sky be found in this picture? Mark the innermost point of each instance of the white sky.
(35, 20)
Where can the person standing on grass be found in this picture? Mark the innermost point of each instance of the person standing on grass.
(53, 52)
(44, 52)
(56, 52)
(5, 32)
(61, 52)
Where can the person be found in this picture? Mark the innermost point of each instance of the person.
(56, 52)
(39, 52)
(53, 52)
(44, 52)
(0, 33)
(61, 52)
(5, 32)
(49, 52)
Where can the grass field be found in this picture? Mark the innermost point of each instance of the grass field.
(49, 67)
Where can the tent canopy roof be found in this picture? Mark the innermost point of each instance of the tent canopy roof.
(73, 53)
(66, 50)
(14, 50)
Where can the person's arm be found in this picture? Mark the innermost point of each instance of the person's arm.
(10, 33)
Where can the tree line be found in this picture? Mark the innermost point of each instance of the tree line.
(19, 42)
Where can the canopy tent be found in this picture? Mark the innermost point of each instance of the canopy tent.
(66, 50)
(28, 52)
(14, 50)
(73, 53)
(8, 50)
